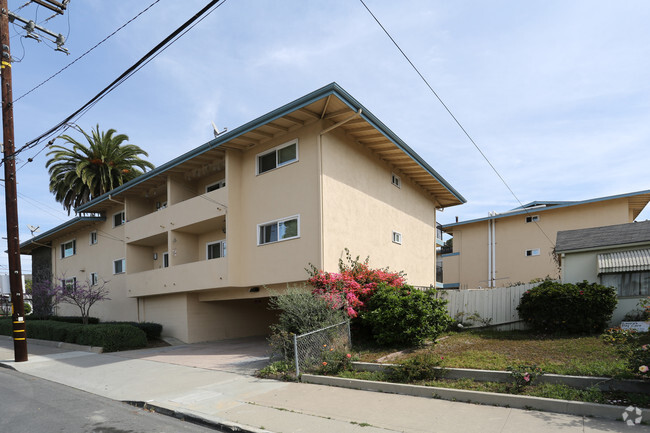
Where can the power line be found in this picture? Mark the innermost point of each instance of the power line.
(153, 53)
(88, 51)
(453, 116)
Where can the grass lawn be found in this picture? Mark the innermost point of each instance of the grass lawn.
(493, 350)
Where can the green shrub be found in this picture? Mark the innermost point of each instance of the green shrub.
(568, 308)
(66, 319)
(423, 366)
(300, 312)
(113, 337)
(404, 316)
(110, 337)
(334, 361)
(153, 330)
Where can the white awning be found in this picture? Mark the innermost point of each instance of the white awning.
(624, 261)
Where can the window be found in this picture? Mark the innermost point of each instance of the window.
(93, 238)
(94, 279)
(69, 284)
(397, 181)
(530, 253)
(119, 266)
(277, 157)
(165, 260)
(161, 205)
(628, 283)
(216, 250)
(532, 218)
(397, 238)
(68, 249)
(119, 219)
(280, 230)
(215, 186)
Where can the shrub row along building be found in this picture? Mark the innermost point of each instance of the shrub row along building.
(199, 243)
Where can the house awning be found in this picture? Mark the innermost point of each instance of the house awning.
(624, 261)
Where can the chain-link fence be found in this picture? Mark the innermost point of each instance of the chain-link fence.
(309, 348)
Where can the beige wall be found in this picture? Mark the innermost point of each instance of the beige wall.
(514, 236)
(97, 258)
(362, 208)
(286, 191)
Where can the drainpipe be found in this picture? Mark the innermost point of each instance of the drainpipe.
(489, 233)
(494, 252)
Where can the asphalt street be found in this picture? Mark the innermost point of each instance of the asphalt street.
(32, 405)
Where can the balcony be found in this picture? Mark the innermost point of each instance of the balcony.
(189, 213)
(202, 275)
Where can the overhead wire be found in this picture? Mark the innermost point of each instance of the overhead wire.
(452, 116)
(153, 53)
(87, 51)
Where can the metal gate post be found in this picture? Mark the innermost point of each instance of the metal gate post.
(295, 355)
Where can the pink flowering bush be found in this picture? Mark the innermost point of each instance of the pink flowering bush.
(354, 284)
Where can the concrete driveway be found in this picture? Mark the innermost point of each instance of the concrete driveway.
(241, 355)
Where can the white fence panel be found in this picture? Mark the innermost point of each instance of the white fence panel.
(499, 304)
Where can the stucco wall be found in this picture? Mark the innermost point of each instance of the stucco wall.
(514, 236)
(96, 258)
(362, 208)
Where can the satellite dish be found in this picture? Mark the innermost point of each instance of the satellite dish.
(216, 130)
(33, 229)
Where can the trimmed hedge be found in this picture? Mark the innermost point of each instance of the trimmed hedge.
(153, 330)
(111, 337)
(67, 319)
(568, 308)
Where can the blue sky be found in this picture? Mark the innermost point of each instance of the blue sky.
(555, 93)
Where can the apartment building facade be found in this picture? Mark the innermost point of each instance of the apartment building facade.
(201, 242)
(517, 246)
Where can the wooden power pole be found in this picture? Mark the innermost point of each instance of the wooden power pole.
(11, 199)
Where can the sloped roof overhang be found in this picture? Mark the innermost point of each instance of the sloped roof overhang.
(330, 103)
(68, 227)
(637, 201)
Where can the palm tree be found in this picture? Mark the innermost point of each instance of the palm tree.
(79, 174)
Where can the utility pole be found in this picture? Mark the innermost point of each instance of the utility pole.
(9, 149)
(11, 199)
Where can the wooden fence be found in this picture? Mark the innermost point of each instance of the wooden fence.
(498, 306)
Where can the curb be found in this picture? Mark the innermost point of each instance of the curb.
(61, 345)
(487, 398)
(580, 382)
(222, 426)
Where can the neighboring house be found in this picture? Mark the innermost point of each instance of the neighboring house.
(201, 242)
(517, 246)
(617, 256)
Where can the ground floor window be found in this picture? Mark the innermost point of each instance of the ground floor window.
(628, 283)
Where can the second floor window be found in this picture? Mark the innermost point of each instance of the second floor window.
(215, 186)
(216, 250)
(68, 249)
(93, 238)
(288, 228)
(119, 266)
(277, 157)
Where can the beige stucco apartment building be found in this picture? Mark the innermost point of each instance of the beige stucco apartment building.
(518, 246)
(199, 243)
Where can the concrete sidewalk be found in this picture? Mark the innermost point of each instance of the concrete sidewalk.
(227, 397)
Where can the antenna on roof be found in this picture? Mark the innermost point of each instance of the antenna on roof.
(216, 130)
(33, 229)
